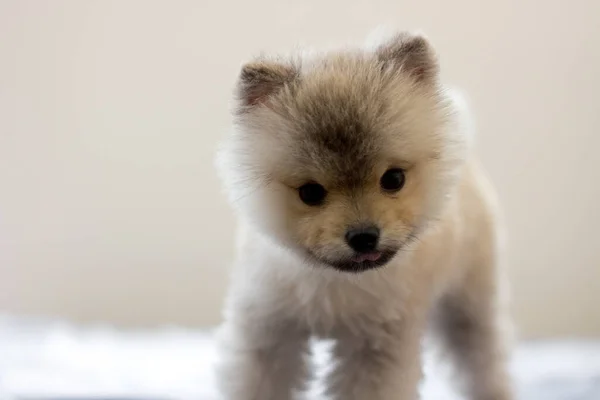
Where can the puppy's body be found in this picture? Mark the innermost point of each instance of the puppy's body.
(343, 122)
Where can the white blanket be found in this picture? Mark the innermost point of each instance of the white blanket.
(52, 359)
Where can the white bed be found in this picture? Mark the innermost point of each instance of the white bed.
(52, 359)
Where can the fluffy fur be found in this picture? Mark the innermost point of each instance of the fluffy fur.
(342, 119)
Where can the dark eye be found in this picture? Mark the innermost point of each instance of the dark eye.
(392, 180)
(312, 194)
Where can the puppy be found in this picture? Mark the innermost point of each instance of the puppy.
(364, 220)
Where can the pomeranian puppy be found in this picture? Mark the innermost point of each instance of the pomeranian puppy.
(364, 220)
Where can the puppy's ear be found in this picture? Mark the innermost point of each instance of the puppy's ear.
(412, 53)
(260, 79)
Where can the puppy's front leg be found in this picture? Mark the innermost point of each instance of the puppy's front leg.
(384, 364)
(261, 361)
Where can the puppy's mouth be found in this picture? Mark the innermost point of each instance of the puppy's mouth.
(362, 262)
(374, 256)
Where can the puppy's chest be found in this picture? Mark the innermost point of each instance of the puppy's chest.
(327, 305)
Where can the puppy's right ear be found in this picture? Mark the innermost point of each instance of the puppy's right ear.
(260, 79)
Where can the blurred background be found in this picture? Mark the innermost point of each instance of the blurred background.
(110, 112)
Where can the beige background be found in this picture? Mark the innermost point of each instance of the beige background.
(110, 112)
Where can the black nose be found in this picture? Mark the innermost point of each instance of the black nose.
(363, 240)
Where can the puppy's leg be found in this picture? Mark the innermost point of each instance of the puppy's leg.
(261, 361)
(384, 364)
(470, 324)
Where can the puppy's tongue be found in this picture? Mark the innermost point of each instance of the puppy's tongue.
(366, 257)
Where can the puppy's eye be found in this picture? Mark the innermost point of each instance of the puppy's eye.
(312, 194)
(392, 180)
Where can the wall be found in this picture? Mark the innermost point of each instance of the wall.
(110, 112)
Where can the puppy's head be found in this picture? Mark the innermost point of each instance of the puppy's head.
(344, 157)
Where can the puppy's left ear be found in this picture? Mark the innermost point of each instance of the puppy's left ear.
(413, 54)
(261, 79)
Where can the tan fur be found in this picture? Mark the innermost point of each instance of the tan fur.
(342, 119)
